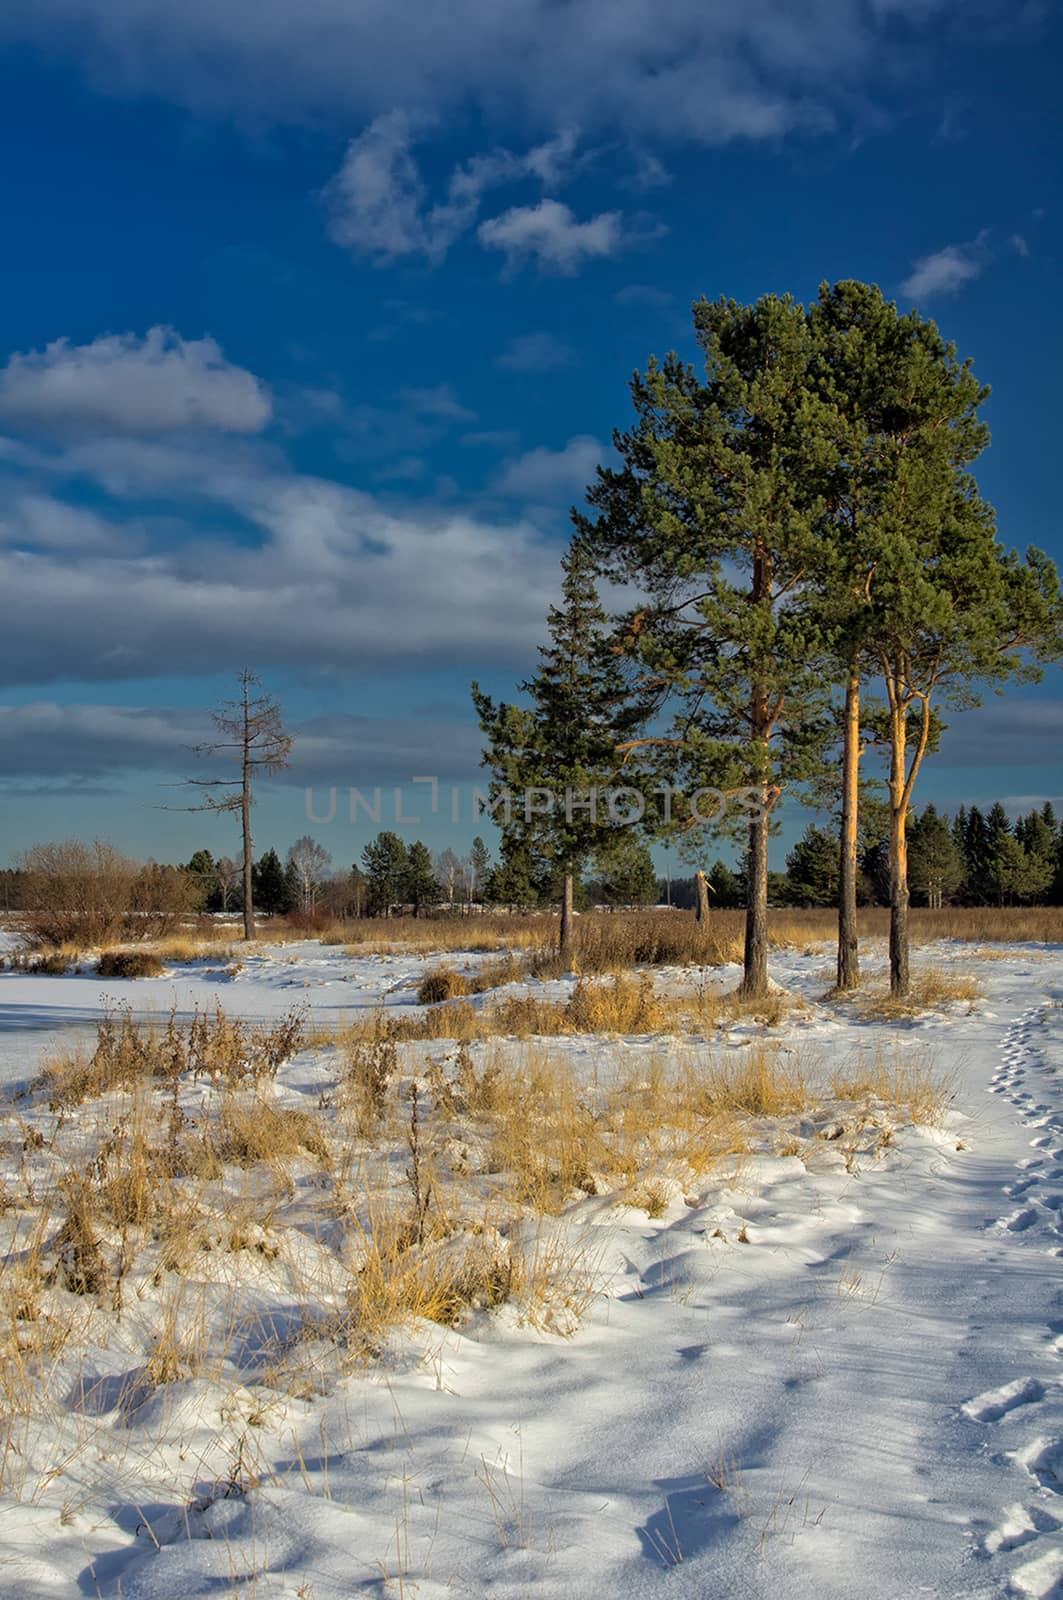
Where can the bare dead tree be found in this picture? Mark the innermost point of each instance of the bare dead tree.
(252, 733)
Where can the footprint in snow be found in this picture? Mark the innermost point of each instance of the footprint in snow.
(996, 1403)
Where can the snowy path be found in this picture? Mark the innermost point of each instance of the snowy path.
(1023, 1417)
(819, 1379)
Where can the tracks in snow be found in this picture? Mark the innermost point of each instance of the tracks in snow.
(1024, 1419)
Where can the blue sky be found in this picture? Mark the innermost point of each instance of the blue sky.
(317, 318)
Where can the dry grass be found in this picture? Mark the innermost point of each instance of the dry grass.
(129, 964)
(441, 983)
(182, 951)
(916, 1089)
(371, 1064)
(930, 990)
(616, 941)
(48, 963)
(760, 1083)
(253, 1130)
(624, 1004)
(128, 1052)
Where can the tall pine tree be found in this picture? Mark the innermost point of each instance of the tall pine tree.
(562, 749)
(717, 518)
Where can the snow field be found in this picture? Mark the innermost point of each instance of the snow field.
(772, 1310)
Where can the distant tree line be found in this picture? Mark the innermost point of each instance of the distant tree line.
(90, 892)
(974, 858)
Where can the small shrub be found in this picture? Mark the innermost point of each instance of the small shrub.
(442, 983)
(81, 1266)
(129, 964)
(371, 1063)
(55, 964)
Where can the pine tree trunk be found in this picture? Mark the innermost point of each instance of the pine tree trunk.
(701, 910)
(755, 977)
(564, 943)
(245, 808)
(848, 945)
(755, 974)
(900, 978)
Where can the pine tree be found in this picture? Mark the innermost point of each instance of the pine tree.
(293, 897)
(717, 518)
(728, 892)
(1037, 835)
(512, 881)
(1056, 889)
(626, 874)
(565, 745)
(948, 610)
(202, 871)
(812, 869)
(1014, 870)
(976, 857)
(479, 865)
(420, 885)
(384, 860)
(864, 355)
(935, 866)
(1005, 857)
(271, 887)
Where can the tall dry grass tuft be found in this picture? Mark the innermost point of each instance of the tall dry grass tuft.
(914, 1088)
(371, 1063)
(931, 990)
(441, 983)
(130, 1052)
(252, 1129)
(759, 1082)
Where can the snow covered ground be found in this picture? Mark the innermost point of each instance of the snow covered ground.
(831, 1370)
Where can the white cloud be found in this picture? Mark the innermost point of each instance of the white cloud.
(121, 382)
(325, 576)
(37, 520)
(378, 202)
(947, 270)
(549, 474)
(684, 68)
(375, 201)
(535, 352)
(46, 739)
(549, 234)
(1018, 243)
